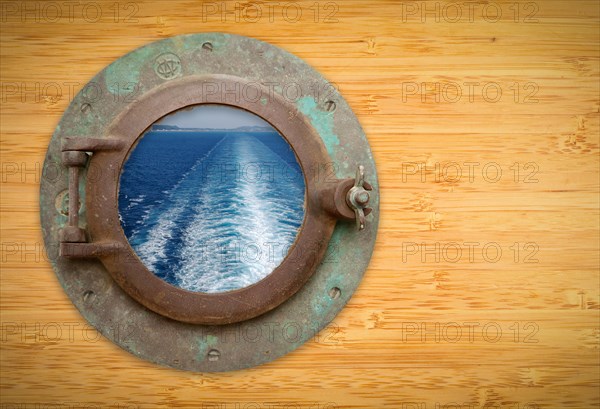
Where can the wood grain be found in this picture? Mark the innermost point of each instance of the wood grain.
(428, 326)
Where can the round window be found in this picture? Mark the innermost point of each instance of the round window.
(211, 198)
(209, 185)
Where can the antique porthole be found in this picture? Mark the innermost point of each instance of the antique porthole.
(209, 202)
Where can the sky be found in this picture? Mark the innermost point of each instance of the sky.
(212, 116)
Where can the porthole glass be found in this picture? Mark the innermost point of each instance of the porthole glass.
(211, 198)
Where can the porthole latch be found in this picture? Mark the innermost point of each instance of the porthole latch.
(358, 197)
(348, 199)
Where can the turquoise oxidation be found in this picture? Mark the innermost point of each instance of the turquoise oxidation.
(198, 347)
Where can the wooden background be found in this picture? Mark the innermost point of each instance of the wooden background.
(429, 327)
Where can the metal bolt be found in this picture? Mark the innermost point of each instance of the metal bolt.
(207, 46)
(362, 198)
(357, 197)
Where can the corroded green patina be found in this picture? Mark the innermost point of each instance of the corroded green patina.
(322, 121)
(200, 347)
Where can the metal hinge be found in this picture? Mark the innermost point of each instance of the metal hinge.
(73, 240)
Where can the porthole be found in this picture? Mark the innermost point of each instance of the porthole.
(211, 185)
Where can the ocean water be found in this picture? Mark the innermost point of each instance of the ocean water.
(211, 211)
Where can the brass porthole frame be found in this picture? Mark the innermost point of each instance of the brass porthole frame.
(102, 274)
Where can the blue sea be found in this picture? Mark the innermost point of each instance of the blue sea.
(211, 211)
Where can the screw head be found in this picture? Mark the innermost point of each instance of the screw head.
(214, 355)
(329, 106)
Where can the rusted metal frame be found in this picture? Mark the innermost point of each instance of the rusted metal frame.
(326, 203)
